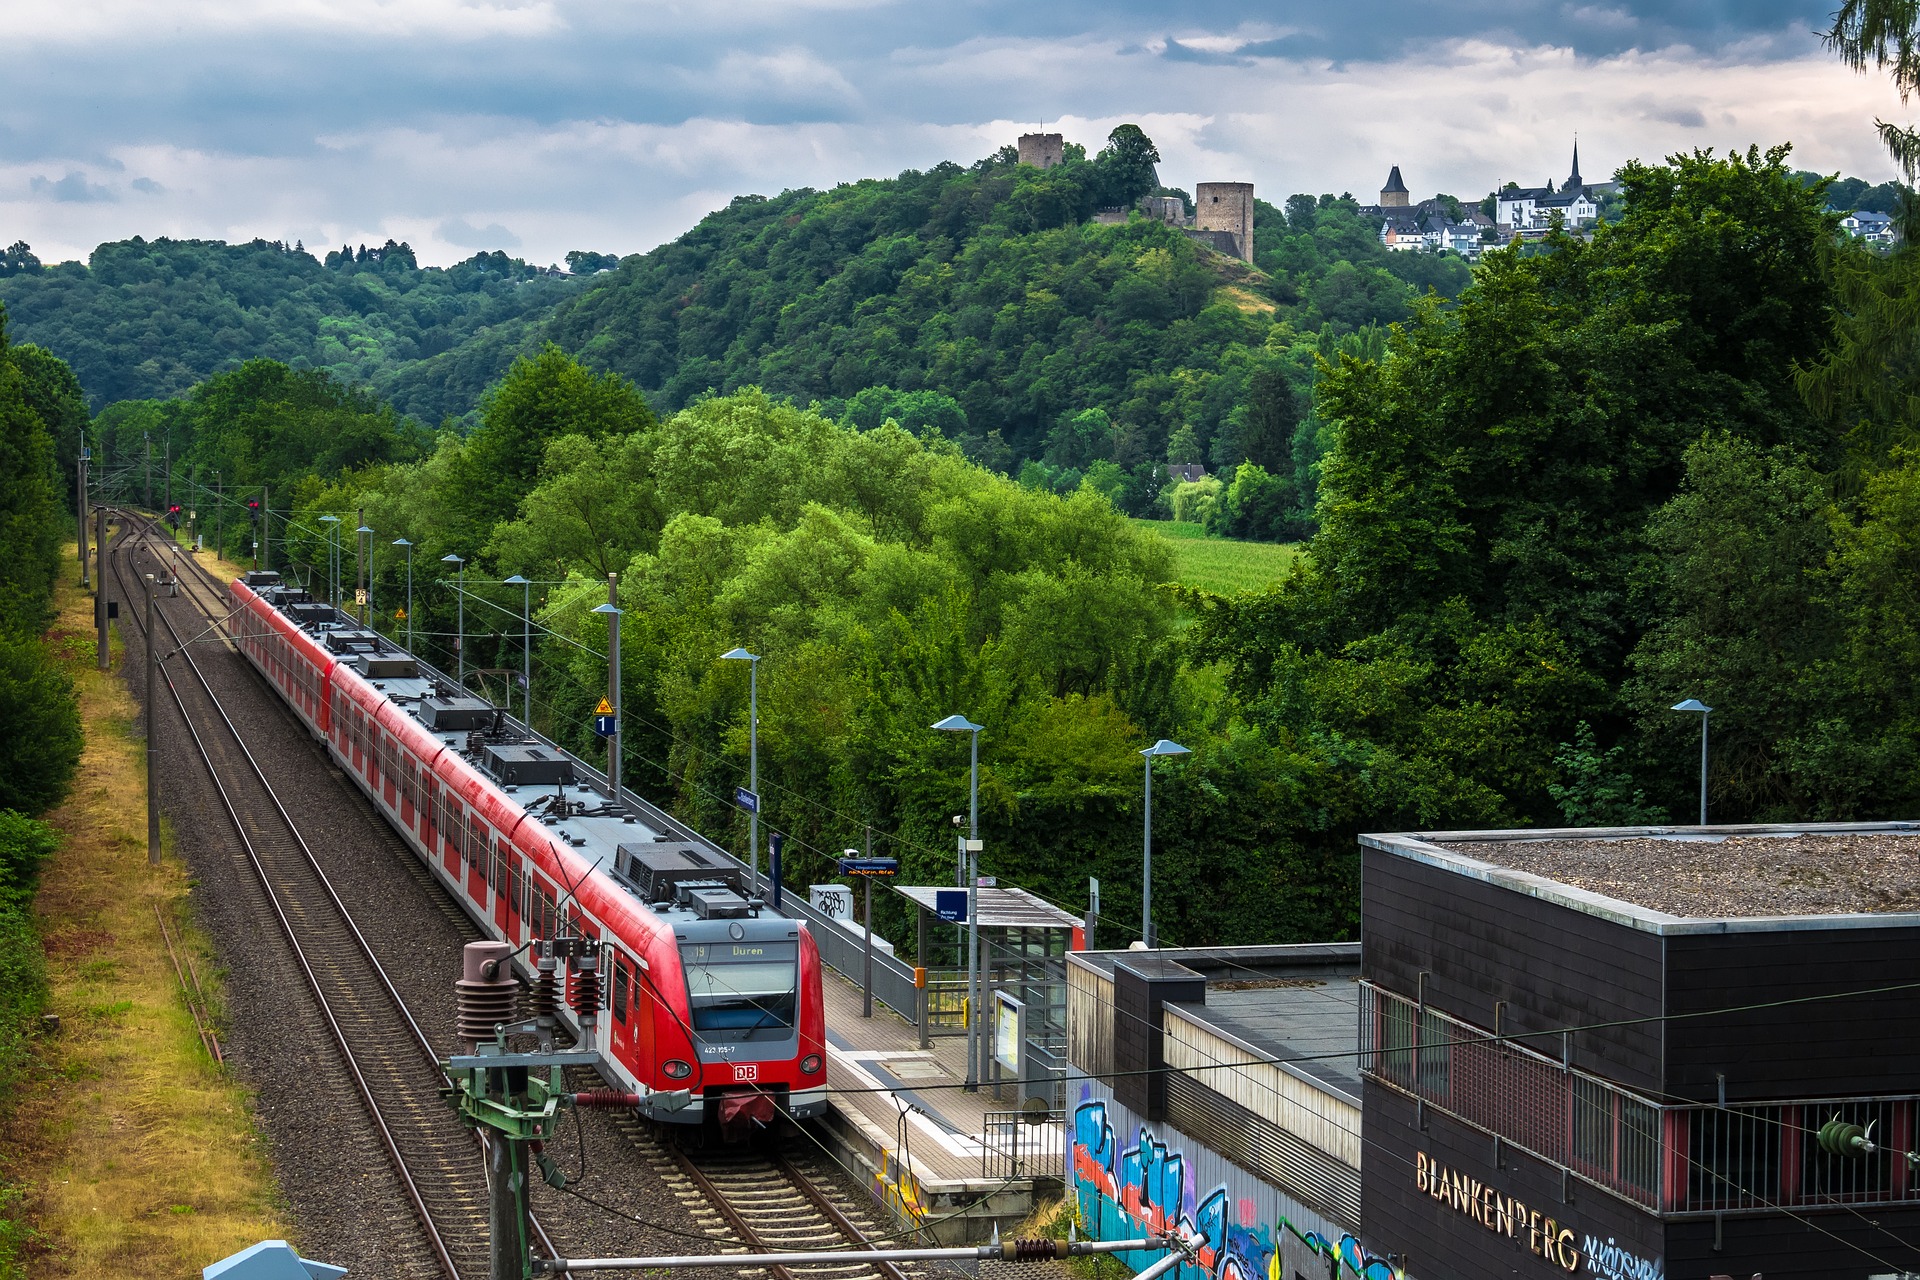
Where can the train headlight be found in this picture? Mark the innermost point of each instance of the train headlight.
(810, 1065)
(676, 1069)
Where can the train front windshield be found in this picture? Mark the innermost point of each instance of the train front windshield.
(742, 990)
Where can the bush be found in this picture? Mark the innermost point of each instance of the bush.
(41, 747)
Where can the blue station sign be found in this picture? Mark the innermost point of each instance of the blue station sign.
(748, 800)
(950, 905)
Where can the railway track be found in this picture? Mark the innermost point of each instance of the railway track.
(392, 1064)
(743, 1200)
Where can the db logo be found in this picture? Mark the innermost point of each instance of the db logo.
(746, 1071)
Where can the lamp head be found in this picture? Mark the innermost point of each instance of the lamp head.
(329, 519)
(607, 608)
(452, 560)
(1691, 704)
(515, 581)
(739, 655)
(401, 542)
(956, 724)
(1165, 747)
(363, 529)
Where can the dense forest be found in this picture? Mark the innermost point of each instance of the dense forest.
(886, 437)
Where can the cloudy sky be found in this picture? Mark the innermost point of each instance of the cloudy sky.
(613, 125)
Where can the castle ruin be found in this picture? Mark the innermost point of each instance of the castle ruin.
(1228, 207)
(1043, 150)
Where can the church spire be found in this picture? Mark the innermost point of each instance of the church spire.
(1573, 179)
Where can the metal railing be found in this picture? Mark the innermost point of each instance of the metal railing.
(1675, 1159)
(1023, 1144)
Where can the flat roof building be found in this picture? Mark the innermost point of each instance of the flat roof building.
(1613, 1052)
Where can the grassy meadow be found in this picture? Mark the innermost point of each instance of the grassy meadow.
(1220, 564)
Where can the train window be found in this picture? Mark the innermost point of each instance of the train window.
(476, 842)
(516, 887)
(741, 990)
(620, 988)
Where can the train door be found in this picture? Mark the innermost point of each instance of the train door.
(479, 854)
(503, 860)
(620, 1005)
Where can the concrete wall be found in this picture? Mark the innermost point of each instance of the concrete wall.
(1227, 206)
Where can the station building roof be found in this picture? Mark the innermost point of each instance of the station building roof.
(1675, 879)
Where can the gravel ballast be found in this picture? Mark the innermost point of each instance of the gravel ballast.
(1760, 875)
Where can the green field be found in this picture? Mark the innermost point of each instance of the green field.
(1219, 564)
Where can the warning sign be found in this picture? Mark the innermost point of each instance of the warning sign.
(604, 709)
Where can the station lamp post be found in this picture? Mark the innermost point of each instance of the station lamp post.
(460, 626)
(1694, 704)
(753, 759)
(333, 553)
(960, 724)
(408, 546)
(1163, 747)
(526, 645)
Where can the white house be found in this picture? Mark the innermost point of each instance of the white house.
(1874, 228)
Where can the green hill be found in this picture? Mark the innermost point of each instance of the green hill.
(146, 319)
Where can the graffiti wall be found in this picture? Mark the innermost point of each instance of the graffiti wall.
(1133, 1179)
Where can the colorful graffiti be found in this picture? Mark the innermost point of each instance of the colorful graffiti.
(1148, 1187)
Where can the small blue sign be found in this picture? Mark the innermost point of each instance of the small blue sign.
(869, 866)
(748, 800)
(950, 905)
(606, 726)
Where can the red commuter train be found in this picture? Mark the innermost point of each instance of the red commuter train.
(704, 988)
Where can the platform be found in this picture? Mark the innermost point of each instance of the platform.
(900, 1118)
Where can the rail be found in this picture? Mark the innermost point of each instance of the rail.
(328, 924)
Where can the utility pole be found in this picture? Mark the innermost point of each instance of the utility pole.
(612, 611)
(149, 442)
(153, 733)
(360, 563)
(219, 518)
(166, 464)
(80, 511)
(100, 595)
(866, 957)
(265, 558)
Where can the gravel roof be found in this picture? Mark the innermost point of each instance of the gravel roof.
(1784, 875)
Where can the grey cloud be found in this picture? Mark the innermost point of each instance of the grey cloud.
(1685, 114)
(1177, 52)
(72, 189)
(458, 231)
(147, 186)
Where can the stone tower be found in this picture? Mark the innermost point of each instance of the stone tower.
(1042, 150)
(1226, 206)
(1394, 194)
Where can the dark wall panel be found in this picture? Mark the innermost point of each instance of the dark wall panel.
(1826, 1048)
(1552, 965)
(1440, 1241)
(1783, 1248)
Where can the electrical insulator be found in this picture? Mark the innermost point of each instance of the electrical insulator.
(482, 1002)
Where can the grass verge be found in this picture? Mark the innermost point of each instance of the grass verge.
(128, 1150)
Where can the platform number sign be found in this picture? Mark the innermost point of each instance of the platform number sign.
(605, 723)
